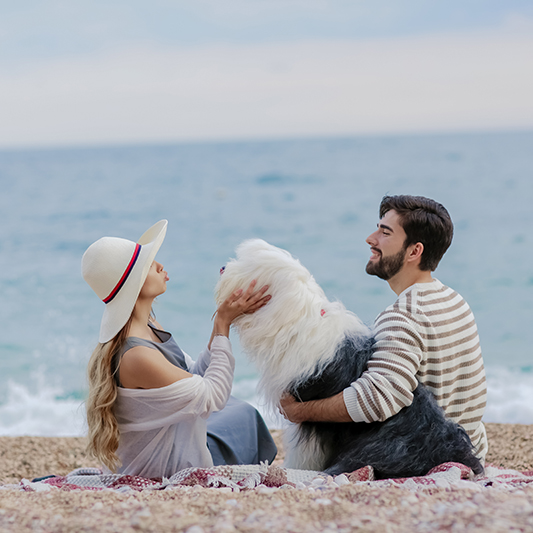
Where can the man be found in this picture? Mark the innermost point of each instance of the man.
(428, 335)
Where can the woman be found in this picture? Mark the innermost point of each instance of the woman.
(149, 403)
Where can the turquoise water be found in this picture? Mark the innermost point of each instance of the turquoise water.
(316, 198)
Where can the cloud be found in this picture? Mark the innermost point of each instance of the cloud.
(37, 29)
(446, 82)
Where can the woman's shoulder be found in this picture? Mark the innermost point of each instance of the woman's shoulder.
(145, 367)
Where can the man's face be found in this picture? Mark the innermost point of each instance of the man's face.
(387, 245)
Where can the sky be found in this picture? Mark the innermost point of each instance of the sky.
(121, 72)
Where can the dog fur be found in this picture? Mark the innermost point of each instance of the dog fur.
(313, 348)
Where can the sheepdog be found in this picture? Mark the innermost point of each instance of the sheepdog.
(313, 348)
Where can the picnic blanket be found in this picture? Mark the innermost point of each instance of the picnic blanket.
(267, 478)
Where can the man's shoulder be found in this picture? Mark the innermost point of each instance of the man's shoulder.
(418, 297)
(401, 311)
(419, 300)
(438, 298)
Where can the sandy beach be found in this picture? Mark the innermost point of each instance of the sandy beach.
(352, 507)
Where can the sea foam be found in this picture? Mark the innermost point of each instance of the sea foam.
(44, 412)
(40, 413)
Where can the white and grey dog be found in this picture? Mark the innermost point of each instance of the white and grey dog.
(313, 348)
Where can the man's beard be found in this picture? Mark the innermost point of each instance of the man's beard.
(387, 267)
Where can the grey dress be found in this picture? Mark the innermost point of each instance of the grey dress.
(235, 435)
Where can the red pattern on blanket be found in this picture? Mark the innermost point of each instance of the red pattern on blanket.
(242, 477)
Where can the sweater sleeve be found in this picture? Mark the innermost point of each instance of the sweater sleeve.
(218, 376)
(200, 365)
(389, 381)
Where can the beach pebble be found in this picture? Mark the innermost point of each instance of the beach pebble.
(262, 489)
(252, 518)
(38, 486)
(323, 501)
(410, 485)
(287, 486)
(440, 509)
(232, 502)
(410, 500)
(225, 527)
(139, 519)
(479, 498)
(195, 529)
(341, 480)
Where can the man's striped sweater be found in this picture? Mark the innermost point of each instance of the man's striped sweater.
(428, 335)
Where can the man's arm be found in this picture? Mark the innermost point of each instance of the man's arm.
(382, 390)
(332, 409)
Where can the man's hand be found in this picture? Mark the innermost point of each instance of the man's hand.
(331, 409)
(292, 410)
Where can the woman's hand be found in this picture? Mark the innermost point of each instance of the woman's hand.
(238, 303)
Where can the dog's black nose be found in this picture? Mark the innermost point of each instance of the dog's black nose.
(222, 270)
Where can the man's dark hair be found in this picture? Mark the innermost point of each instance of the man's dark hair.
(425, 221)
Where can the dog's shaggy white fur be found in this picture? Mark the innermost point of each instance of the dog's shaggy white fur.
(291, 338)
(299, 329)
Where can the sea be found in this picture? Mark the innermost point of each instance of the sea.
(317, 198)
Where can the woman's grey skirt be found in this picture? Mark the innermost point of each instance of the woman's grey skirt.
(238, 435)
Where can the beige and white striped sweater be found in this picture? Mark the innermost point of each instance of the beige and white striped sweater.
(429, 335)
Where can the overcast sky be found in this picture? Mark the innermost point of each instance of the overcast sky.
(101, 72)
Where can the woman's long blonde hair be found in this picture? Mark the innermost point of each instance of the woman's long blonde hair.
(103, 432)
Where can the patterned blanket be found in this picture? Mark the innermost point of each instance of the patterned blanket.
(266, 478)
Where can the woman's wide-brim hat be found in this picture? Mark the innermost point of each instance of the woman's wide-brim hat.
(116, 270)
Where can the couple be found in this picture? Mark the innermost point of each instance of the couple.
(153, 411)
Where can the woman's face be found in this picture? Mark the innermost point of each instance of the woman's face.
(155, 283)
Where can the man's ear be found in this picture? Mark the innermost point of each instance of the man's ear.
(414, 253)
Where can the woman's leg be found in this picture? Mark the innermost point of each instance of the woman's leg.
(238, 435)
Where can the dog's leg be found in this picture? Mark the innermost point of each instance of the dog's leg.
(315, 446)
(302, 453)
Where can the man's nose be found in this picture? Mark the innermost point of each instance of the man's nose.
(371, 239)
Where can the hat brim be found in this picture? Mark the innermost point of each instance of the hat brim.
(118, 311)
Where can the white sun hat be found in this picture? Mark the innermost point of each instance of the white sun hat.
(116, 270)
